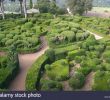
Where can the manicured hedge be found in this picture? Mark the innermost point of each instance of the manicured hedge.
(9, 69)
(102, 81)
(77, 81)
(33, 74)
(59, 70)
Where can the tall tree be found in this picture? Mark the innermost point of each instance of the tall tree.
(25, 9)
(31, 4)
(53, 7)
(47, 6)
(88, 5)
(2, 8)
(21, 6)
(43, 5)
(79, 6)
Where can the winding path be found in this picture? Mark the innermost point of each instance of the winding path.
(89, 78)
(26, 61)
(88, 82)
(96, 36)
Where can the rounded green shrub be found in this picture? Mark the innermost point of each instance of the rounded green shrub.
(9, 42)
(77, 81)
(49, 85)
(50, 54)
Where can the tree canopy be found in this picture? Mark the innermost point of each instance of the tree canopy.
(79, 6)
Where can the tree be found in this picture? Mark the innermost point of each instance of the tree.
(47, 6)
(21, 6)
(2, 8)
(88, 5)
(79, 6)
(31, 4)
(25, 10)
(53, 7)
(43, 5)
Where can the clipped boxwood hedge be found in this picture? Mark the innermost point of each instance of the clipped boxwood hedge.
(33, 73)
(9, 70)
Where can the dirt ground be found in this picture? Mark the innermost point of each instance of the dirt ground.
(88, 83)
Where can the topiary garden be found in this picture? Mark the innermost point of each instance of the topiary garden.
(73, 52)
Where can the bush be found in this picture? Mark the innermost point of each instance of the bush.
(38, 29)
(90, 63)
(33, 73)
(49, 85)
(71, 63)
(79, 36)
(77, 81)
(33, 20)
(60, 55)
(9, 68)
(101, 81)
(106, 66)
(9, 36)
(28, 25)
(22, 21)
(50, 53)
(2, 36)
(84, 70)
(106, 54)
(71, 38)
(73, 54)
(90, 41)
(100, 48)
(9, 42)
(78, 59)
(47, 67)
(3, 61)
(59, 70)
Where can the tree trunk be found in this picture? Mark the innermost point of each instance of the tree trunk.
(86, 11)
(25, 10)
(2, 9)
(21, 7)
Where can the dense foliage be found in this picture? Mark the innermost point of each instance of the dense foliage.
(74, 53)
(9, 67)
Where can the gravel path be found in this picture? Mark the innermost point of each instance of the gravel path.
(26, 61)
(98, 37)
(88, 83)
(66, 86)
